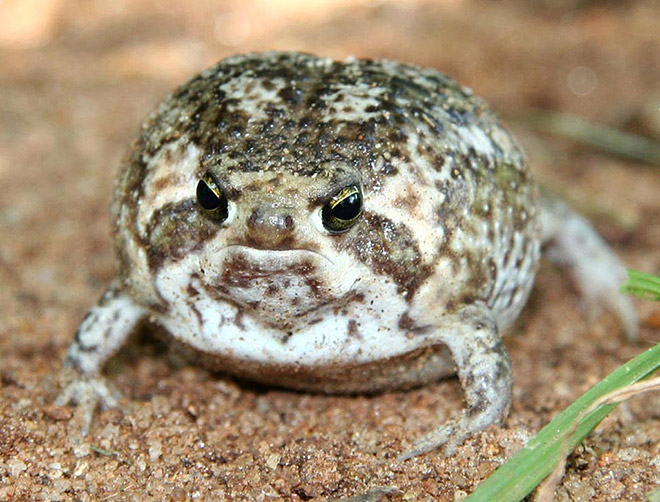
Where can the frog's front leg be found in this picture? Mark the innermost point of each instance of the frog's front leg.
(573, 244)
(101, 333)
(484, 370)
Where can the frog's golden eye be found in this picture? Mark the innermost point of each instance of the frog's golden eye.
(211, 199)
(343, 210)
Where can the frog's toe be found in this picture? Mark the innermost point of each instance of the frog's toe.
(88, 393)
(611, 300)
(450, 435)
(434, 439)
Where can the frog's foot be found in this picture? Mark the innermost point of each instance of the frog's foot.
(450, 434)
(102, 332)
(88, 393)
(573, 244)
(484, 369)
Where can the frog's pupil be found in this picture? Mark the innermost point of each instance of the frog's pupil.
(347, 208)
(207, 199)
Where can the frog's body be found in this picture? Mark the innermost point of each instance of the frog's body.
(433, 255)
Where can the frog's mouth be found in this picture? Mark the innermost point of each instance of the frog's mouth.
(278, 285)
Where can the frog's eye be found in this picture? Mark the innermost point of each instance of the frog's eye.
(343, 210)
(211, 199)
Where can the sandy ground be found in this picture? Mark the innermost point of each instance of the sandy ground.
(76, 78)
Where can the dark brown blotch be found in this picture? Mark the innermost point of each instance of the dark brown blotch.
(389, 249)
(175, 230)
(353, 330)
(408, 324)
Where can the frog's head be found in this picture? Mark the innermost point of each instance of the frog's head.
(277, 250)
(278, 243)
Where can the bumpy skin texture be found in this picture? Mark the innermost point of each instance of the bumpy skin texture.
(441, 260)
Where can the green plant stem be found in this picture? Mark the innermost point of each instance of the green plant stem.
(642, 285)
(608, 139)
(526, 469)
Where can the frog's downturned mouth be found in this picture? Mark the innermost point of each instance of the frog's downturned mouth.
(266, 257)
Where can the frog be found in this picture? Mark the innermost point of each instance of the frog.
(333, 226)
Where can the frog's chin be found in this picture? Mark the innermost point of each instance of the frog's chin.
(277, 285)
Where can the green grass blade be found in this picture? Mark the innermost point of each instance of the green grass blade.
(642, 285)
(526, 469)
(604, 138)
(654, 496)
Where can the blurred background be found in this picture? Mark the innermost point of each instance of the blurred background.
(78, 76)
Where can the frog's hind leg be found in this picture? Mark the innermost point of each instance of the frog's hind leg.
(572, 243)
(102, 332)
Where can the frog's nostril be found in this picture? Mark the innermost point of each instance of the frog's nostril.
(270, 228)
(269, 221)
